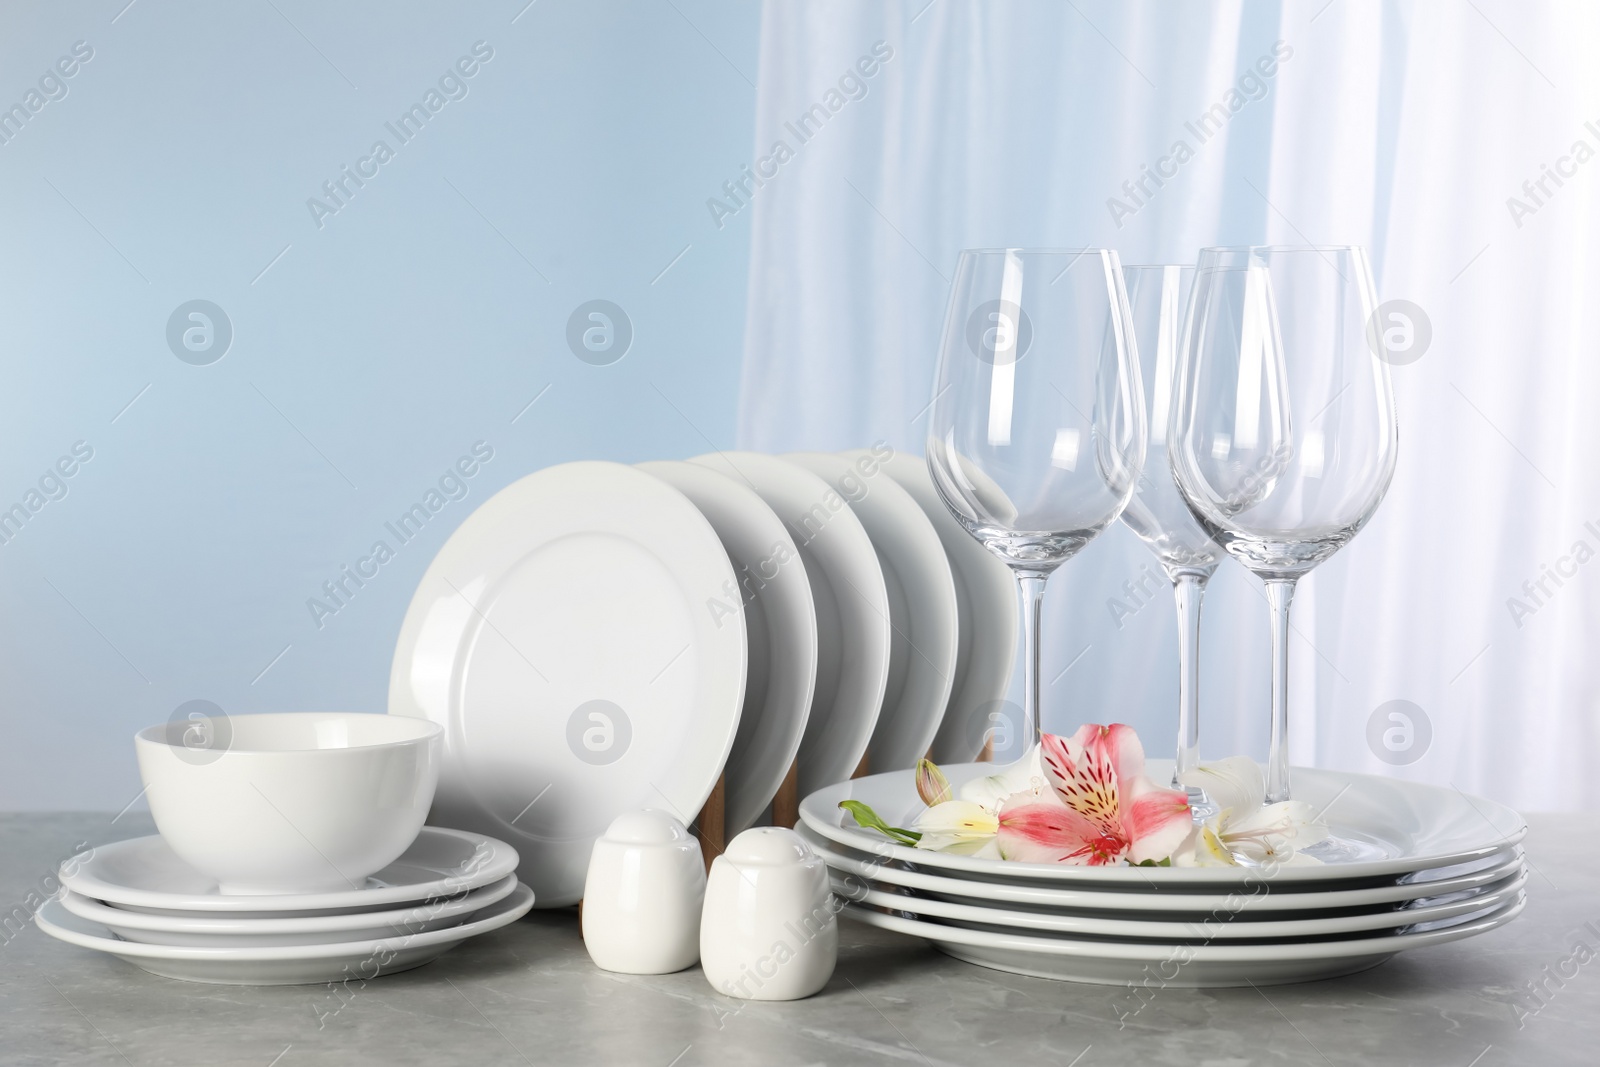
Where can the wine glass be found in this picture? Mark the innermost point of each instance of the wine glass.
(1037, 428)
(1283, 436)
(1158, 514)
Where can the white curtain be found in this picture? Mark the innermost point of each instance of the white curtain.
(1406, 127)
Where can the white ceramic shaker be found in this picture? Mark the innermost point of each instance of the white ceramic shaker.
(643, 894)
(770, 930)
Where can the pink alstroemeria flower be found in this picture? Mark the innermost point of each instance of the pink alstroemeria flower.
(1103, 809)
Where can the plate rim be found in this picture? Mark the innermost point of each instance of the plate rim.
(993, 624)
(1157, 951)
(221, 924)
(506, 911)
(503, 861)
(1111, 900)
(812, 810)
(794, 593)
(1373, 922)
(855, 546)
(904, 520)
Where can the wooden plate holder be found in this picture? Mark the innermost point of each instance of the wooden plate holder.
(710, 826)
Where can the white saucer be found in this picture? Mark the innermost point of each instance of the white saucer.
(209, 929)
(1177, 965)
(1386, 828)
(144, 874)
(922, 603)
(852, 606)
(986, 602)
(781, 628)
(1176, 903)
(566, 638)
(282, 964)
(1222, 924)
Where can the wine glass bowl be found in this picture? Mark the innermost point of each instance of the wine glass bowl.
(1158, 514)
(1033, 442)
(1284, 438)
(1036, 432)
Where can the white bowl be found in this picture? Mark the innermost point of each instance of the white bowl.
(291, 803)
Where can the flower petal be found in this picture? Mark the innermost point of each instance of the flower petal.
(1043, 832)
(1119, 746)
(1273, 833)
(979, 847)
(1233, 784)
(1084, 776)
(956, 818)
(1204, 849)
(1025, 775)
(1155, 820)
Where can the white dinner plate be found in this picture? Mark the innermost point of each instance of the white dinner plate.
(1170, 903)
(226, 931)
(283, 964)
(144, 874)
(1218, 926)
(922, 603)
(781, 629)
(566, 638)
(1382, 827)
(852, 606)
(986, 604)
(1178, 965)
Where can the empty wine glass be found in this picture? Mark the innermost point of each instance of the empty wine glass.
(1157, 298)
(1037, 428)
(1283, 437)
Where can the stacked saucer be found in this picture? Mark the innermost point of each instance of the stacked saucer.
(1407, 865)
(291, 850)
(138, 901)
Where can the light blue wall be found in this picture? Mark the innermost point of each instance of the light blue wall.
(417, 320)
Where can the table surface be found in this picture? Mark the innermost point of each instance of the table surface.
(528, 994)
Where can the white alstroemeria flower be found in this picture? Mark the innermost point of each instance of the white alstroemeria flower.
(959, 826)
(1024, 776)
(968, 826)
(1245, 830)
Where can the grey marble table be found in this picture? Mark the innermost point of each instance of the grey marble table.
(529, 995)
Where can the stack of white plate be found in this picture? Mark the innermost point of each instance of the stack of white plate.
(599, 638)
(1407, 865)
(137, 900)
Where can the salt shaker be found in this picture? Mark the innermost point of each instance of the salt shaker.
(642, 897)
(770, 929)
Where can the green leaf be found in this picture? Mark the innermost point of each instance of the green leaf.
(868, 819)
(1153, 863)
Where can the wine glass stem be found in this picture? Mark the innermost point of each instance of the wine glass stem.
(1031, 589)
(1280, 593)
(1187, 589)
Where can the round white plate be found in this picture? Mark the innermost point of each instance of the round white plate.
(852, 606)
(1218, 925)
(1388, 826)
(923, 617)
(144, 874)
(1175, 903)
(209, 929)
(781, 627)
(1183, 966)
(986, 604)
(283, 964)
(566, 637)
